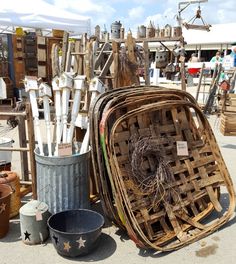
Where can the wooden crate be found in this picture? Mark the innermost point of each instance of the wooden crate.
(228, 123)
(42, 56)
(57, 33)
(228, 115)
(9, 87)
(228, 103)
(4, 68)
(19, 63)
(50, 41)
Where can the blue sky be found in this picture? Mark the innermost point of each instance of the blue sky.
(132, 13)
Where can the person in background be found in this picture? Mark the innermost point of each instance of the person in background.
(193, 58)
(217, 58)
(230, 60)
(233, 53)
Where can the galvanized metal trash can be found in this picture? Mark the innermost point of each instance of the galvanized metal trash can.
(63, 182)
(33, 222)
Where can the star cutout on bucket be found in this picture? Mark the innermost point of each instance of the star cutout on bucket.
(27, 235)
(2, 207)
(81, 242)
(67, 246)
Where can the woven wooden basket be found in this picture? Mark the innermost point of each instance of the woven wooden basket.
(100, 107)
(169, 216)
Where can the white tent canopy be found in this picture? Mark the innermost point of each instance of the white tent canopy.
(42, 15)
(219, 33)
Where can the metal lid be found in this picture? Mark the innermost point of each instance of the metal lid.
(31, 207)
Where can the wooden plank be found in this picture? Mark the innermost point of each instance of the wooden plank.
(42, 55)
(88, 61)
(200, 81)
(23, 143)
(71, 48)
(106, 66)
(146, 63)
(8, 114)
(41, 40)
(77, 58)
(115, 50)
(105, 47)
(42, 71)
(159, 39)
(31, 139)
(64, 50)
(13, 149)
(130, 46)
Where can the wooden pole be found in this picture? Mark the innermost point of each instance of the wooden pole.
(22, 143)
(115, 50)
(146, 63)
(31, 138)
(64, 51)
(200, 81)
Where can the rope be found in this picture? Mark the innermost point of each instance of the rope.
(151, 181)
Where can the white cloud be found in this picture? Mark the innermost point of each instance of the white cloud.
(100, 12)
(161, 19)
(83, 6)
(76, 5)
(136, 12)
(145, 2)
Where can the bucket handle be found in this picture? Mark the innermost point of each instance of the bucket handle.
(4, 175)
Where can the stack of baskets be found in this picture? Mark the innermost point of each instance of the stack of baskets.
(158, 166)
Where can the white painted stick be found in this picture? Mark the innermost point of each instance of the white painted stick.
(78, 86)
(45, 92)
(57, 105)
(58, 117)
(35, 114)
(65, 83)
(48, 124)
(65, 108)
(96, 87)
(85, 143)
(74, 113)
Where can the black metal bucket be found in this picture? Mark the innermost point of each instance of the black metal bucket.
(75, 232)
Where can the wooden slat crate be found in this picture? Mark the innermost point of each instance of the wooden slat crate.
(42, 56)
(228, 102)
(19, 63)
(228, 115)
(228, 123)
(9, 87)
